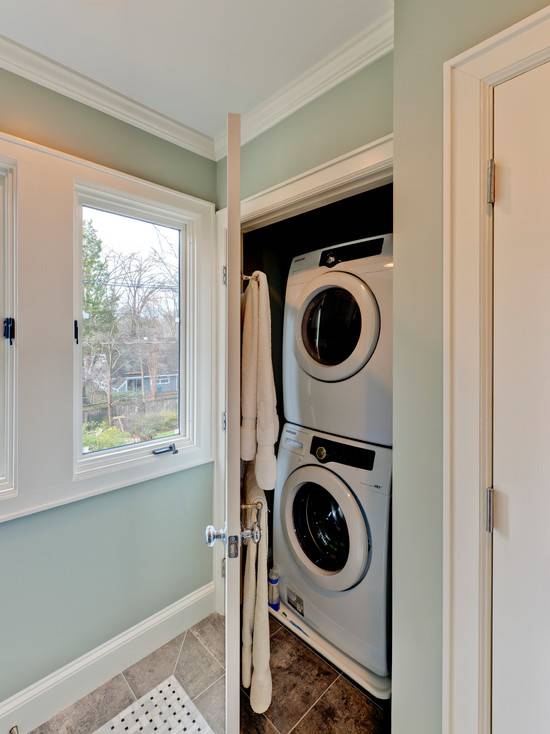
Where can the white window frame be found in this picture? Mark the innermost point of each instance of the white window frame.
(117, 458)
(43, 426)
(8, 486)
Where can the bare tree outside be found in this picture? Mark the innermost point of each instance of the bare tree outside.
(130, 331)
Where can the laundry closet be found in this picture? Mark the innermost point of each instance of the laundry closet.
(330, 274)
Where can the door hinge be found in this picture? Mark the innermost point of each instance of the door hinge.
(75, 331)
(224, 275)
(224, 421)
(491, 181)
(9, 329)
(489, 509)
(223, 567)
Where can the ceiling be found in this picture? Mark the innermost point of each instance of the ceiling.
(190, 60)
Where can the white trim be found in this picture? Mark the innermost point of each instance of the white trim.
(469, 81)
(365, 48)
(8, 308)
(39, 702)
(41, 70)
(361, 169)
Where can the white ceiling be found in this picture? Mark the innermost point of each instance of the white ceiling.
(191, 60)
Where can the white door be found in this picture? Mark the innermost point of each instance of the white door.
(225, 534)
(521, 550)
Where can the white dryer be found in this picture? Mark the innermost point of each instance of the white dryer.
(331, 528)
(337, 343)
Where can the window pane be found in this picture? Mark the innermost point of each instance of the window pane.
(130, 330)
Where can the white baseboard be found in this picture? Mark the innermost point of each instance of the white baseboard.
(39, 702)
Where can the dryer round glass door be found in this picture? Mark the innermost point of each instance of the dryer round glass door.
(337, 326)
(325, 528)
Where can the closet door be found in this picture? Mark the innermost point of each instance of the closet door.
(233, 423)
(225, 535)
(521, 591)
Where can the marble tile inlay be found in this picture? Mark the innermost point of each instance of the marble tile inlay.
(166, 708)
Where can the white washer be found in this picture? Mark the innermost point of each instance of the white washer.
(337, 343)
(331, 540)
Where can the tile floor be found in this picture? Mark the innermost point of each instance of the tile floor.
(195, 658)
(309, 695)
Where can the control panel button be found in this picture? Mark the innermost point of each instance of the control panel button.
(321, 453)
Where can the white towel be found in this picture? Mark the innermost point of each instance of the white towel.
(267, 426)
(259, 423)
(256, 672)
(249, 372)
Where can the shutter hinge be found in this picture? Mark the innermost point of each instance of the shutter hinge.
(491, 181)
(489, 509)
(9, 329)
(224, 421)
(224, 275)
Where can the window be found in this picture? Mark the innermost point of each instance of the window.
(137, 319)
(7, 338)
(130, 330)
(109, 379)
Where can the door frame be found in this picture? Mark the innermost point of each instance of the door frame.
(359, 170)
(469, 81)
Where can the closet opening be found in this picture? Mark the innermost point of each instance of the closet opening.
(329, 272)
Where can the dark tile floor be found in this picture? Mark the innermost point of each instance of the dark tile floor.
(309, 695)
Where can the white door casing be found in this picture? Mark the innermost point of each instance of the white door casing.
(470, 80)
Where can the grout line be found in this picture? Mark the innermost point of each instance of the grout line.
(315, 703)
(179, 652)
(129, 686)
(208, 650)
(208, 687)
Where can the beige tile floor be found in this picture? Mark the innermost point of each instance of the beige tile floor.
(309, 695)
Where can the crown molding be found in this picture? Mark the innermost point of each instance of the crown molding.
(37, 68)
(365, 48)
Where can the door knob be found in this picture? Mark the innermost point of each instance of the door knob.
(212, 535)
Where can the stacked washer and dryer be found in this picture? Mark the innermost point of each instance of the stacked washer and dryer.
(331, 539)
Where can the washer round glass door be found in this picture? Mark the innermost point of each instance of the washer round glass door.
(325, 528)
(337, 326)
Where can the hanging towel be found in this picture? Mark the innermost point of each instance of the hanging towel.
(267, 426)
(260, 423)
(256, 672)
(249, 372)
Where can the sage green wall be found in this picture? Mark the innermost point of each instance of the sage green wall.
(351, 114)
(73, 577)
(427, 33)
(30, 111)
